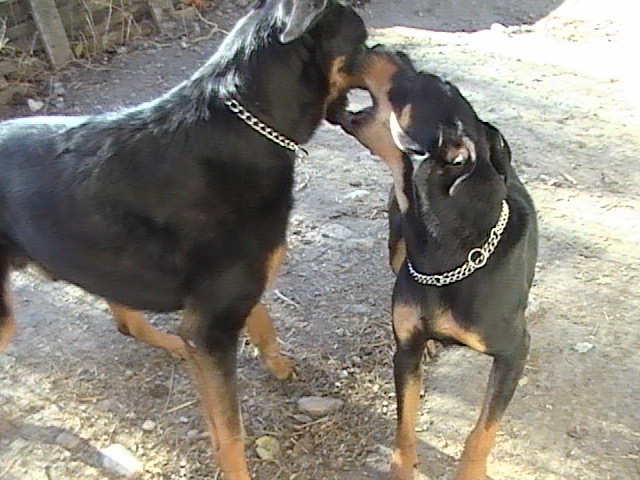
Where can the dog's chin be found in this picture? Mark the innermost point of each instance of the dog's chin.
(337, 110)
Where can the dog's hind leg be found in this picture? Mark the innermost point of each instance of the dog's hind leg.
(7, 320)
(133, 323)
(263, 335)
(503, 380)
(260, 327)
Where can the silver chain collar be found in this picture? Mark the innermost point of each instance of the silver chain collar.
(476, 259)
(263, 129)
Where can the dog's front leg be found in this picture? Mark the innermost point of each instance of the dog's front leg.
(407, 328)
(503, 380)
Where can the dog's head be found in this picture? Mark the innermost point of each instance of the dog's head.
(421, 118)
(432, 122)
(294, 54)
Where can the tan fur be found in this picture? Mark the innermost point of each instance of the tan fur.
(405, 455)
(8, 322)
(221, 410)
(398, 256)
(133, 323)
(444, 324)
(375, 133)
(406, 321)
(473, 462)
(339, 81)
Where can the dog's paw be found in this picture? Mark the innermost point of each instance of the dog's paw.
(279, 366)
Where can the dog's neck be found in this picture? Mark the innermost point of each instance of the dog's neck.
(281, 88)
(440, 229)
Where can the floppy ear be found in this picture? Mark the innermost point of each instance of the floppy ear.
(298, 15)
(499, 151)
(406, 61)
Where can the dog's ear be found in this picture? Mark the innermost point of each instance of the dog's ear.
(298, 15)
(406, 61)
(499, 150)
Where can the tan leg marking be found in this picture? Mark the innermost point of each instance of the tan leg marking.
(398, 256)
(221, 411)
(273, 264)
(263, 335)
(473, 463)
(133, 323)
(444, 324)
(407, 320)
(260, 328)
(405, 455)
(8, 321)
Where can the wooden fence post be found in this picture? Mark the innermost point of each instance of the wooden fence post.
(56, 43)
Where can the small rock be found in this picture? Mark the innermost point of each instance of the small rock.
(184, 420)
(360, 243)
(577, 432)
(59, 89)
(68, 441)
(498, 28)
(120, 460)
(35, 105)
(149, 426)
(59, 102)
(319, 406)
(356, 194)
(106, 405)
(302, 418)
(583, 347)
(337, 232)
(193, 433)
(267, 448)
(523, 381)
(361, 309)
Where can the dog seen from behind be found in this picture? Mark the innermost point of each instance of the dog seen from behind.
(463, 241)
(183, 202)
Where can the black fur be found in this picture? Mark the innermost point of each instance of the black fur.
(456, 173)
(144, 205)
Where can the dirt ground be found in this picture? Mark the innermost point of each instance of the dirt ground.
(558, 79)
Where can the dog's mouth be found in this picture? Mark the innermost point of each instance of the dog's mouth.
(352, 109)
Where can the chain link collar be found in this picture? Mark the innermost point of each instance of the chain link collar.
(476, 259)
(263, 129)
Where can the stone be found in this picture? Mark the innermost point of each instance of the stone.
(366, 243)
(68, 441)
(59, 89)
(357, 194)
(583, 347)
(319, 406)
(337, 232)
(268, 448)
(35, 105)
(119, 460)
(149, 426)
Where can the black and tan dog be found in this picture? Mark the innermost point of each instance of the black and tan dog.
(463, 242)
(183, 202)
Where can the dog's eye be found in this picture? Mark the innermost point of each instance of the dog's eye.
(459, 159)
